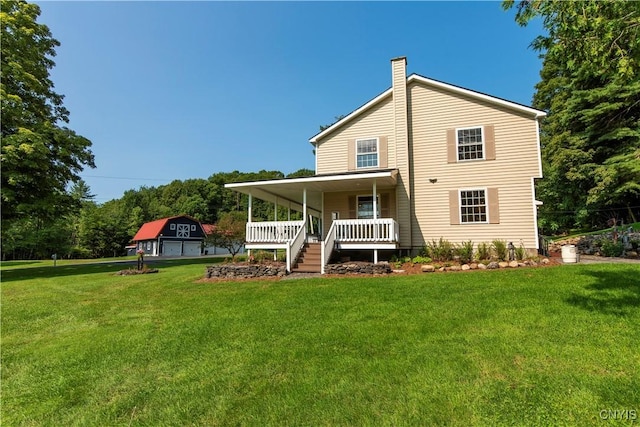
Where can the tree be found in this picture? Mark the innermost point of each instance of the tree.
(301, 173)
(39, 157)
(229, 232)
(105, 229)
(590, 88)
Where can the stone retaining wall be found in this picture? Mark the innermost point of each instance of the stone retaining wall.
(592, 244)
(244, 271)
(358, 268)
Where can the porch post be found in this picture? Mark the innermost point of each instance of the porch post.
(304, 203)
(275, 210)
(321, 223)
(375, 216)
(249, 214)
(375, 200)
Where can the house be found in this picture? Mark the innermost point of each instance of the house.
(174, 236)
(420, 161)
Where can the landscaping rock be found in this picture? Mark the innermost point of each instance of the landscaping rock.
(514, 264)
(503, 264)
(465, 267)
(473, 266)
(244, 271)
(428, 268)
(455, 268)
(592, 244)
(481, 266)
(359, 268)
(545, 261)
(493, 265)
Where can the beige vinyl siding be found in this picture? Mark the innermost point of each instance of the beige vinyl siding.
(340, 202)
(433, 113)
(334, 153)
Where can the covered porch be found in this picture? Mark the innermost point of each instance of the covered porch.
(322, 229)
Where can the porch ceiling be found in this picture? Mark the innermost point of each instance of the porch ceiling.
(289, 190)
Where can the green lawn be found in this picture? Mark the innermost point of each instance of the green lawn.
(539, 346)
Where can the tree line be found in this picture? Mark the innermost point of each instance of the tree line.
(103, 230)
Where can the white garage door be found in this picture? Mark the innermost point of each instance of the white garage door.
(172, 248)
(191, 249)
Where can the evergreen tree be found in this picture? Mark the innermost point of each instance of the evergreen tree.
(590, 88)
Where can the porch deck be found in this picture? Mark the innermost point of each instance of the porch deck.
(374, 234)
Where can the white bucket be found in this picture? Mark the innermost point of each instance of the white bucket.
(569, 254)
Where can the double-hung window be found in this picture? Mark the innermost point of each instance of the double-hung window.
(367, 153)
(473, 206)
(470, 144)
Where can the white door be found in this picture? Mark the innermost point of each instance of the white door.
(172, 248)
(191, 249)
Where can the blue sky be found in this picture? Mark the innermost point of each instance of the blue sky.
(179, 90)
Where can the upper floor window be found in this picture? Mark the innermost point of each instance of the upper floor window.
(470, 144)
(473, 206)
(367, 153)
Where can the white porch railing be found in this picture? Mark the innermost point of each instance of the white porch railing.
(273, 231)
(366, 230)
(292, 234)
(295, 246)
(326, 247)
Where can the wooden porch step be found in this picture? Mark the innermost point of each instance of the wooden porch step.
(309, 260)
(306, 269)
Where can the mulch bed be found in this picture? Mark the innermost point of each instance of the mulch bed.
(134, 271)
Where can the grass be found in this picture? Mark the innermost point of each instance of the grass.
(539, 346)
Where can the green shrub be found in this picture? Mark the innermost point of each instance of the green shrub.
(262, 256)
(521, 252)
(421, 260)
(442, 250)
(237, 258)
(465, 252)
(484, 251)
(612, 249)
(500, 249)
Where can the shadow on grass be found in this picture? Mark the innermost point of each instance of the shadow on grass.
(27, 273)
(14, 263)
(614, 292)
